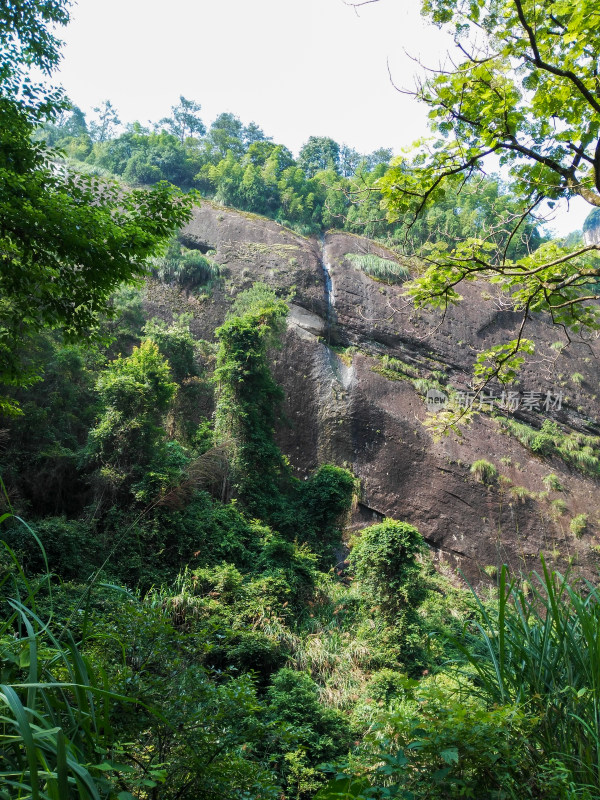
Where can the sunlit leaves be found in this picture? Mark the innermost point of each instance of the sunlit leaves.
(503, 361)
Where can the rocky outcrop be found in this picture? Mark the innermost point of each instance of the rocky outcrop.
(591, 228)
(345, 405)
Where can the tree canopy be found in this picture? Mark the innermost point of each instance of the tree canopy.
(67, 240)
(522, 88)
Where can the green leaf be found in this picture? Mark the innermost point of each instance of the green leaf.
(450, 755)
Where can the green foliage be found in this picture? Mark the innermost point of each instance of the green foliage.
(432, 744)
(577, 449)
(502, 361)
(320, 153)
(243, 666)
(483, 471)
(592, 221)
(541, 653)
(246, 405)
(247, 398)
(315, 733)
(238, 166)
(40, 459)
(383, 269)
(187, 268)
(136, 393)
(516, 66)
(552, 483)
(176, 344)
(385, 562)
(55, 704)
(69, 549)
(126, 319)
(317, 506)
(67, 240)
(185, 120)
(294, 566)
(559, 506)
(395, 369)
(578, 525)
(253, 300)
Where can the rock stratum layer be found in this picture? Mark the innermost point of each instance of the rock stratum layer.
(355, 364)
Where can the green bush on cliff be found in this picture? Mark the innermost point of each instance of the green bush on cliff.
(483, 471)
(246, 414)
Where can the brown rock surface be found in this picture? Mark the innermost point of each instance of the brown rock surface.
(339, 410)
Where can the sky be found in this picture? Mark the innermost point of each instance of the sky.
(298, 68)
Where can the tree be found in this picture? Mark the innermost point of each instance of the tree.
(108, 121)
(522, 87)
(66, 240)
(381, 156)
(254, 133)
(226, 135)
(185, 120)
(350, 159)
(319, 153)
(136, 393)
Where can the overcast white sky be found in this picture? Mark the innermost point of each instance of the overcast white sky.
(296, 67)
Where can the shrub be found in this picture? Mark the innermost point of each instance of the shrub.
(188, 268)
(558, 506)
(552, 483)
(578, 525)
(318, 505)
(72, 550)
(295, 565)
(320, 733)
(484, 472)
(440, 744)
(384, 559)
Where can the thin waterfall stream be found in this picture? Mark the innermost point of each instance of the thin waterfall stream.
(329, 290)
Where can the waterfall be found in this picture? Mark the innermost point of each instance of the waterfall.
(329, 289)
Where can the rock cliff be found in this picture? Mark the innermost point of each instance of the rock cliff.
(356, 363)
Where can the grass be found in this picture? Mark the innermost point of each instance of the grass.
(382, 269)
(484, 472)
(521, 493)
(558, 507)
(396, 370)
(578, 525)
(552, 483)
(541, 651)
(331, 649)
(54, 708)
(189, 269)
(577, 449)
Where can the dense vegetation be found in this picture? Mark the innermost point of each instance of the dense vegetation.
(178, 623)
(328, 186)
(180, 619)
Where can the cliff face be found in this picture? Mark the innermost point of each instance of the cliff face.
(347, 403)
(591, 228)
